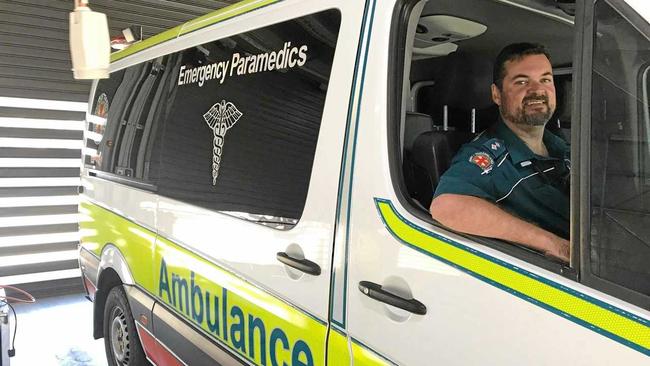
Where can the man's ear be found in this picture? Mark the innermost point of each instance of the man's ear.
(496, 94)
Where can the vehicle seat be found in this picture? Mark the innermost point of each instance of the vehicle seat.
(462, 89)
(432, 155)
(415, 176)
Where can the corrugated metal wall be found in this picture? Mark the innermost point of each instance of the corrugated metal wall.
(40, 141)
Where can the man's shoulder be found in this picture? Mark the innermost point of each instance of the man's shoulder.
(484, 143)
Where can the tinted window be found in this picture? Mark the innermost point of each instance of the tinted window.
(244, 124)
(620, 190)
(126, 115)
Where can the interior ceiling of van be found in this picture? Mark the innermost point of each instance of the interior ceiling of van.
(508, 21)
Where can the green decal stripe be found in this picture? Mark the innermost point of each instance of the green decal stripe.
(580, 308)
(225, 13)
(198, 23)
(147, 43)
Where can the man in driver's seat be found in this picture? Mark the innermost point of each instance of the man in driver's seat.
(511, 182)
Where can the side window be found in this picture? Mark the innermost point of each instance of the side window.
(126, 114)
(620, 153)
(244, 125)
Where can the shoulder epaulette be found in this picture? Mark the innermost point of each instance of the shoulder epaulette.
(495, 147)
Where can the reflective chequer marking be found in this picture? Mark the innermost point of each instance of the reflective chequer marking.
(580, 308)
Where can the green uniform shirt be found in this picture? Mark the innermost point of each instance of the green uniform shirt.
(499, 167)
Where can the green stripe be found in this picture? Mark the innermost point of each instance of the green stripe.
(580, 308)
(224, 13)
(147, 43)
(198, 23)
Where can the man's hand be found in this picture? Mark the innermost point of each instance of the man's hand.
(477, 216)
(558, 249)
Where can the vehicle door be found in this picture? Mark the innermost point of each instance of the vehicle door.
(249, 183)
(419, 294)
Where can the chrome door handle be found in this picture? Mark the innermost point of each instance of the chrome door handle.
(303, 265)
(376, 292)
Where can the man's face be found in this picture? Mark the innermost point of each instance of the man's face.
(527, 96)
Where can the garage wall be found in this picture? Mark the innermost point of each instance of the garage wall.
(42, 111)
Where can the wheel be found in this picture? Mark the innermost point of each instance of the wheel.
(121, 341)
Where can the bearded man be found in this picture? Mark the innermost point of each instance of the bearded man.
(511, 182)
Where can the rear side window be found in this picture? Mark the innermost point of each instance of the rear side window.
(125, 120)
(244, 124)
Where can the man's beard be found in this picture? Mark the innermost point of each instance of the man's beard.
(533, 118)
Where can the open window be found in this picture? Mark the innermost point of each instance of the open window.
(445, 77)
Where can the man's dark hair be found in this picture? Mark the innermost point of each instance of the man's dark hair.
(515, 51)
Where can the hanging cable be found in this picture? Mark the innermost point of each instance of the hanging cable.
(4, 300)
(27, 299)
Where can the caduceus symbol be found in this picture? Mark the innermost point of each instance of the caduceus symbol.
(220, 118)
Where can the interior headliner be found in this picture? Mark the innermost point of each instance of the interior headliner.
(540, 22)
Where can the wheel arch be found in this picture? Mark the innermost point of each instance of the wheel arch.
(113, 271)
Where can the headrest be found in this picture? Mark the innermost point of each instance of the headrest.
(465, 82)
(415, 125)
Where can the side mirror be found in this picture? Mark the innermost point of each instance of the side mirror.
(90, 45)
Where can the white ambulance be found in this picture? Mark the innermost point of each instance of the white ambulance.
(256, 187)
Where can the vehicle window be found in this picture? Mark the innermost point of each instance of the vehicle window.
(620, 157)
(125, 119)
(243, 127)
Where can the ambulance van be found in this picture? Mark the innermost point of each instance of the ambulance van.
(256, 186)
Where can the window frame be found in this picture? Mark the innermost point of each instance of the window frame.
(396, 59)
(581, 172)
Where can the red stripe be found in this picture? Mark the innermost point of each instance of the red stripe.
(91, 289)
(156, 351)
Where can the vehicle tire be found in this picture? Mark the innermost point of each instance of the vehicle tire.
(121, 340)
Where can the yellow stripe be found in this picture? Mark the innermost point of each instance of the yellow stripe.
(259, 326)
(147, 43)
(364, 357)
(224, 13)
(198, 23)
(338, 352)
(565, 302)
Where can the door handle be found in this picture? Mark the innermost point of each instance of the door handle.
(303, 265)
(376, 292)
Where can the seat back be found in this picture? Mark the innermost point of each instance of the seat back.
(415, 124)
(461, 92)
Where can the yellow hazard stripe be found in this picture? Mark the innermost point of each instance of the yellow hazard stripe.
(211, 18)
(580, 308)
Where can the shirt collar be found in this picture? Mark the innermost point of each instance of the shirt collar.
(519, 151)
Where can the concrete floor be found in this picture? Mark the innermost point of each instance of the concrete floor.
(57, 331)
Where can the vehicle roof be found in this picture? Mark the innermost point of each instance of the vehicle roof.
(211, 18)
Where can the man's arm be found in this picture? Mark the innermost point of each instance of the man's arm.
(477, 216)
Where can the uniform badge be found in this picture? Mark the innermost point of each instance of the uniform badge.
(483, 161)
